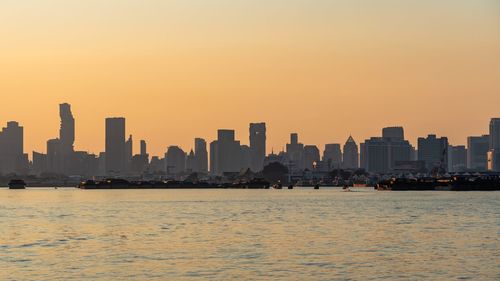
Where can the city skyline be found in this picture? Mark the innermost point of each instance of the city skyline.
(176, 69)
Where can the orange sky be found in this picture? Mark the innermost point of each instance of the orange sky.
(181, 69)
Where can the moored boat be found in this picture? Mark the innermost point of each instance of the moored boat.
(17, 184)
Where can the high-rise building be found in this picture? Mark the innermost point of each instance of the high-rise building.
(311, 157)
(144, 149)
(245, 157)
(176, 161)
(477, 152)
(225, 153)
(494, 153)
(201, 156)
(66, 140)
(295, 154)
(433, 152)
(351, 154)
(129, 153)
(257, 146)
(382, 155)
(395, 133)
(332, 156)
(115, 146)
(458, 158)
(12, 157)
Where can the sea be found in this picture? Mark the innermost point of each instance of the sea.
(224, 234)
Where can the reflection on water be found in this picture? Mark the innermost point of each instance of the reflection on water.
(248, 234)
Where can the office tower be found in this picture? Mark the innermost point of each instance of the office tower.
(225, 153)
(494, 145)
(12, 157)
(201, 155)
(332, 156)
(458, 159)
(477, 152)
(66, 139)
(257, 146)
(295, 154)
(311, 157)
(144, 150)
(54, 159)
(245, 157)
(395, 133)
(351, 155)
(176, 161)
(129, 152)
(39, 163)
(191, 162)
(383, 154)
(115, 146)
(433, 152)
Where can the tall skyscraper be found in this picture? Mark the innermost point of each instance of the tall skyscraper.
(115, 145)
(129, 152)
(494, 152)
(176, 161)
(311, 156)
(257, 146)
(458, 158)
(351, 154)
(66, 141)
(434, 152)
(332, 156)
(295, 154)
(12, 157)
(477, 152)
(201, 156)
(225, 153)
(144, 148)
(382, 155)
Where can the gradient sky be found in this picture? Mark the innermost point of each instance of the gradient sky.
(181, 69)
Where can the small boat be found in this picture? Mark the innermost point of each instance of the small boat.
(290, 186)
(17, 184)
(278, 186)
(316, 186)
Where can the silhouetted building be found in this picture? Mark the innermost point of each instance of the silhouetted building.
(39, 163)
(115, 146)
(332, 156)
(434, 152)
(351, 154)
(66, 140)
(477, 152)
(295, 154)
(394, 133)
(458, 159)
(144, 149)
(190, 162)
(380, 155)
(494, 145)
(225, 153)
(257, 146)
(311, 157)
(12, 157)
(54, 157)
(201, 156)
(176, 161)
(129, 152)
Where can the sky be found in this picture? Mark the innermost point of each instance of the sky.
(181, 69)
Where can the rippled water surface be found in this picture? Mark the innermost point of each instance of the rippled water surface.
(70, 234)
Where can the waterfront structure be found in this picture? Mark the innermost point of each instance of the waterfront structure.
(350, 157)
(115, 146)
(12, 157)
(433, 151)
(295, 154)
(332, 156)
(494, 145)
(257, 146)
(477, 152)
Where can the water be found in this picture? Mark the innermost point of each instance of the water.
(70, 234)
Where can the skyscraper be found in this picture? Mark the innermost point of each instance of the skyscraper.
(201, 156)
(458, 158)
(477, 152)
(66, 141)
(494, 145)
(295, 154)
(129, 152)
(311, 156)
(225, 153)
(115, 145)
(176, 160)
(351, 154)
(434, 152)
(396, 133)
(332, 156)
(257, 146)
(12, 157)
